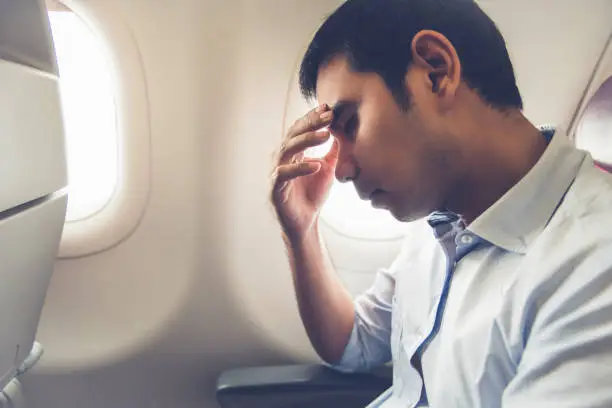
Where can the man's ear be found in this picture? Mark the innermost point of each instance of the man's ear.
(436, 55)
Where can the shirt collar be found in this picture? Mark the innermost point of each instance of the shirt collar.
(517, 218)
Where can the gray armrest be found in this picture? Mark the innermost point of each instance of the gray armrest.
(299, 386)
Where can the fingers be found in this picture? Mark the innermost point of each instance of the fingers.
(304, 133)
(298, 144)
(332, 156)
(289, 172)
(312, 121)
(284, 174)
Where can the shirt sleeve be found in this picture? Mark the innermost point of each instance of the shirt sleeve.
(567, 357)
(369, 343)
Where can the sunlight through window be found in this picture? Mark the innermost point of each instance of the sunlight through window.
(346, 213)
(86, 90)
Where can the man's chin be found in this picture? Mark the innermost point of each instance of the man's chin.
(405, 218)
(406, 215)
(400, 211)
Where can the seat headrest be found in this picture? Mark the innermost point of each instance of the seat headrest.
(594, 130)
(603, 167)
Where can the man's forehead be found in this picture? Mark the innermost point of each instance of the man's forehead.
(336, 82)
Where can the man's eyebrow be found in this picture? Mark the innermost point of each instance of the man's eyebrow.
(339, 108)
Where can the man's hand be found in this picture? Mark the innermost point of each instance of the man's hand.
(301, 185)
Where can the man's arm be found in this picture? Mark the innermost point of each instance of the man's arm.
(326, 309)
(567, 361)
(369, 343)
(355, 341)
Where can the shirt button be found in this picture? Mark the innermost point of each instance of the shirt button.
(466, 239)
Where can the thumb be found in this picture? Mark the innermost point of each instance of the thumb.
(331, 158)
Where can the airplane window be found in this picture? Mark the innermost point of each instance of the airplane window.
(86, 91)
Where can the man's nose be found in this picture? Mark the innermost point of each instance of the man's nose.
(345, 170)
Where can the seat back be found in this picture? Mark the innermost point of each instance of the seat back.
(594, 129)
(32, 186)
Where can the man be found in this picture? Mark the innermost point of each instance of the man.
(506, 300)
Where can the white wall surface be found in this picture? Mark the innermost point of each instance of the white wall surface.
(203, 285)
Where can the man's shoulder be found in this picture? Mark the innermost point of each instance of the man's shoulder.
(586, 208)
(590, 193)
(582, 222)
(575, 248)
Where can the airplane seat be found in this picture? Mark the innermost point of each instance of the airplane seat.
(300, 386)
(604, 167)
(32, 187)
(594, 128)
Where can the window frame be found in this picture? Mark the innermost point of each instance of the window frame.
(122, 214)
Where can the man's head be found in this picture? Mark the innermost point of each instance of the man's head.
(406, 79)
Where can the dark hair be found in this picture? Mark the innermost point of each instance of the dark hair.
(376, 35)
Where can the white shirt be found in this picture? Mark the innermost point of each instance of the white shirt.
(513, 311)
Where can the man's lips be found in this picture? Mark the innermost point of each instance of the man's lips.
(368, 194)
(376, 193)
(377, 196)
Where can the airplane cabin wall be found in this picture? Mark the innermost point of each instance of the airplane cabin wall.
(202, 284)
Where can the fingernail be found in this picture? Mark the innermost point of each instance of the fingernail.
(321, 108)
(327, 115)
(314, 166)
